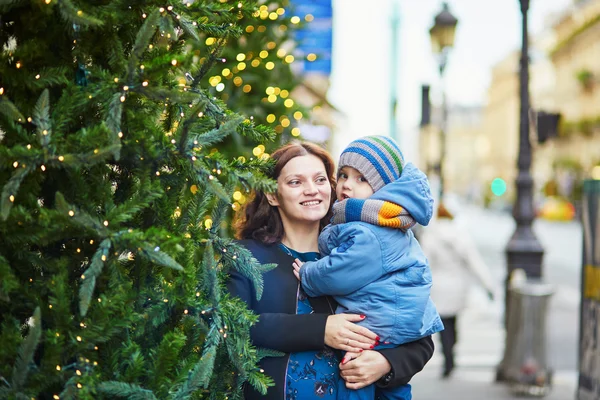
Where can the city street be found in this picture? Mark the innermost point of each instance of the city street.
(481, 335)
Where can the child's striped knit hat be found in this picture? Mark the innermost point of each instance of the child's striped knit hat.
(377, 158)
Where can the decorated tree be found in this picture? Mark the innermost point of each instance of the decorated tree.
(113, 196)
(260, 70)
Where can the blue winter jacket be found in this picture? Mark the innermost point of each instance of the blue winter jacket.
(378, 271)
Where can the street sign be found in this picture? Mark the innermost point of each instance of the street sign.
(589, 329)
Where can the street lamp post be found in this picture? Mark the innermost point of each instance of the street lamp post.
(523, 250)
(442, 39)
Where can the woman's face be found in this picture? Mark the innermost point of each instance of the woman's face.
(303, 190)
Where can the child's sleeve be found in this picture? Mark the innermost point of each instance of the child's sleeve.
(353, 263)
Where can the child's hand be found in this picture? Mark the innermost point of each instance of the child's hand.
(297, 264)
(349, 356)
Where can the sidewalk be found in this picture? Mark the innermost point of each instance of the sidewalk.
(478, 352)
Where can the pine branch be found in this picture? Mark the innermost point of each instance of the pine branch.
(113, 121)
(88, 159)
(188, 27)
(41, 118)
(144, 196)
(9, 281)
(27, 350)
(159, 258)
(264, 352)
(11, 188)
(208, 64)
(10, 110)
(79, 217)
(199, 376)
(122, 389)
(245, 264)
(74, 15)
(49, 77)
(209, 274)
(221, 31)
(141, 42)
(258, 133)
(88, 278)
(215, 136)
(161, 94)
(167, 358)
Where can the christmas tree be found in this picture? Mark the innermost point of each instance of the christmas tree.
(259, 72)
(114, 193)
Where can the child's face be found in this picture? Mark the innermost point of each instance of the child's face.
(351, 184)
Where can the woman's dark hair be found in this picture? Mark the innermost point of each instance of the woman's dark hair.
(261, 221)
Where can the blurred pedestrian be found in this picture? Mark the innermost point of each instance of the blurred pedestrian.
(455, 264)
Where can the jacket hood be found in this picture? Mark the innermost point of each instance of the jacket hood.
(412, 192)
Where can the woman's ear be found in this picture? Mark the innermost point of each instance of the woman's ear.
(272, 199)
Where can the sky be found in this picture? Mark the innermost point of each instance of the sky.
(487, 31)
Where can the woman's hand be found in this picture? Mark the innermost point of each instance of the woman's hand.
(342, 333)
(364, 370)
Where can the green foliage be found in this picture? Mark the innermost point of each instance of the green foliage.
(118, 166)
(256, 74)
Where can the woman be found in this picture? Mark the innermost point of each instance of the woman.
(282, 226)
(455, 263)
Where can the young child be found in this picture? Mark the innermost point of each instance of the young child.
(371, 263)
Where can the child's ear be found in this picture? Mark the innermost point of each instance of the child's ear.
(272, 199)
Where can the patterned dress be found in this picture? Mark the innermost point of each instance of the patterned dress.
(310, 374)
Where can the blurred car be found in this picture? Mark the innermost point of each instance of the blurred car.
(556, 209)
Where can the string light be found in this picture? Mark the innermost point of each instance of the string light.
(18, 64)
(78, 338)
(72, 213)
(58, 368)
(105, 223)
(43, 167)
(37, 76)
(1, 91)
(11, 198)
(16, 164)
(61, 158)
(145, 83)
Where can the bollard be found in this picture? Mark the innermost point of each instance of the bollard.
(589, 328)
(525, 361)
